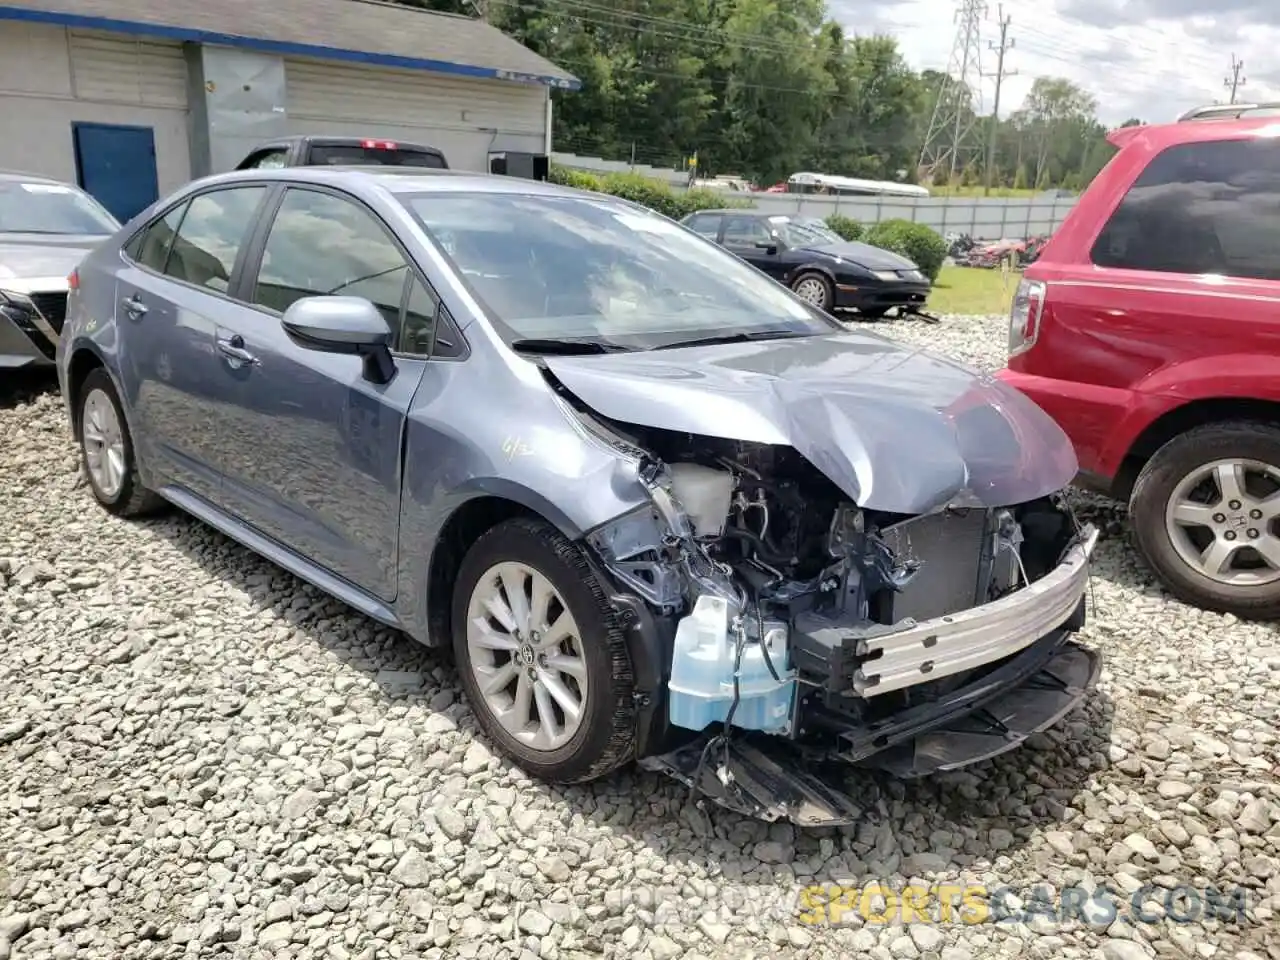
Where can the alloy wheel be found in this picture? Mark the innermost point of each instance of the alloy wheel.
(103, 439)
(1222, 522)
(812, 290)
(525, 653)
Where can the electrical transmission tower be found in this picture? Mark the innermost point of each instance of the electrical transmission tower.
(1235, 81)
(951, 135)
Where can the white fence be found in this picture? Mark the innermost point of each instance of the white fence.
(983, 218)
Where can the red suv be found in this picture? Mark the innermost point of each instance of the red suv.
(1149, 328)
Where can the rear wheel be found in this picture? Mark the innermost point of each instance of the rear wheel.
(814, 288)
(1205, 512)
(542, 655)
(106, 449)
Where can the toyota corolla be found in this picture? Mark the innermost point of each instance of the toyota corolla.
(659, 507)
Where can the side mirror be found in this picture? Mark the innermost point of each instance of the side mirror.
(350, 325)
(768, 246)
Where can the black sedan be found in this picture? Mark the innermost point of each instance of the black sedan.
(820, 266)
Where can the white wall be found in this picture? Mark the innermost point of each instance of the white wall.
(466, 118)
(51, 77)
(114, 81)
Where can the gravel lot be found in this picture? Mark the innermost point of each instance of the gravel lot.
(201, 755)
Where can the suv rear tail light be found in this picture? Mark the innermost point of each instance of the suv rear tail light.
(1024, 317)
(73, 280)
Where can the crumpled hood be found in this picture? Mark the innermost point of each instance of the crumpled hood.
(41, 264)
(863, 254)
(897, 429)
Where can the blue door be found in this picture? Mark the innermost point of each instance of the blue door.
(117, 166)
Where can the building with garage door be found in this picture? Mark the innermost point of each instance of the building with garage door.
(131, 98)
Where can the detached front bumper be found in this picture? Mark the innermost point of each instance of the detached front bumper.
(774, 779)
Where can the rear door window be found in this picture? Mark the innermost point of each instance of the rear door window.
(356, 155)
(209, 240)
(150, 247)
(1200, 208)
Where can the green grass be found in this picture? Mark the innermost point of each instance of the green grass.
(958, 191)
(972, 290)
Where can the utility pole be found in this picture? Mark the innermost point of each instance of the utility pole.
(1234, 81)
(1004, 46)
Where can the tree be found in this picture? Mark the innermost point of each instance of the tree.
(1059, 112)
(766, 88)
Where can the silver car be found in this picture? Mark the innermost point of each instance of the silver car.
(658, 507)
(46, 228)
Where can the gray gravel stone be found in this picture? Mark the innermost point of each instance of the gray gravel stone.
(202, 755)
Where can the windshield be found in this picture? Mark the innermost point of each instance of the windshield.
(34, 207)
(804, 233)
(600, 270)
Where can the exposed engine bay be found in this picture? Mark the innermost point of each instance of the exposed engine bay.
(801, 616)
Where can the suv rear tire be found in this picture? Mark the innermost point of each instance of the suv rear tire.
(1200, 498)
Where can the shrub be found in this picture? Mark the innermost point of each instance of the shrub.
(645, 191)
(578, 179)
(846, 227)
(920, 244)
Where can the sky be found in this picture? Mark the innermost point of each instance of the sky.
(1150, 59)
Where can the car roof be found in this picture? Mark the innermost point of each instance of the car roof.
(1160, 135)
(403, 180)
(14, 176)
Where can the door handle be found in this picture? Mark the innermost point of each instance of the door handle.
(233, 348)
(134, 306)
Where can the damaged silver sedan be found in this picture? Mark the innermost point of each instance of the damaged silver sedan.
(660, 508)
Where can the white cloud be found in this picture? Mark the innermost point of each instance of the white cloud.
(1135, 66)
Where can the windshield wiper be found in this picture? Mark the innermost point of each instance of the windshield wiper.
(567, 345)
(735, 338)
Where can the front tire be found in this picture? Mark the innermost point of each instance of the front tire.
(1205, 514)
(542, 655)
(106, 449)
(814, 288)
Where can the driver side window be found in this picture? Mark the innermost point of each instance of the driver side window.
(323, 245)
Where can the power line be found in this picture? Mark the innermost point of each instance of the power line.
(959, 94)
(647, 24)
(1004, 46)
(1235, 80)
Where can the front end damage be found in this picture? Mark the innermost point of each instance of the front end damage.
(793, 633)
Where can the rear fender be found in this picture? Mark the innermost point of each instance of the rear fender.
(1223, 377)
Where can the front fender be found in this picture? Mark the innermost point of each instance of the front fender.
(809, 266)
